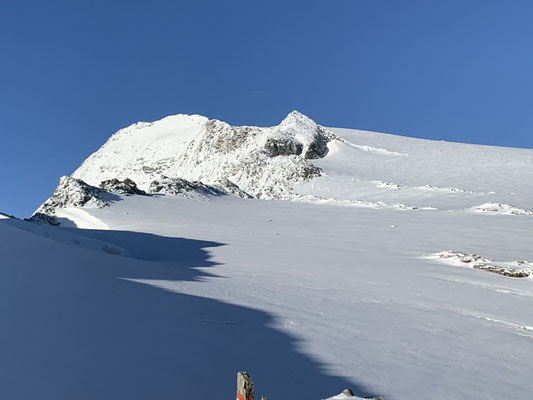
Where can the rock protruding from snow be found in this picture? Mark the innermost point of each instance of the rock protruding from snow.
(123, 188)
(513, 269)
(182, 187)
(69, 192)
(283, 146)
(261, 162)
(314, 138)
(502, 209)
(230, 188)
(72, 192)
(4, 216)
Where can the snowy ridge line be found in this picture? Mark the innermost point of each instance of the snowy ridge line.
(493, 208)
(370, 149)
(312, 199)
(513, 269)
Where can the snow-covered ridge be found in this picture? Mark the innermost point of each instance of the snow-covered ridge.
(71, 192)
(263, 162)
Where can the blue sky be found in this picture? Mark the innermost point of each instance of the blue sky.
(73, 72)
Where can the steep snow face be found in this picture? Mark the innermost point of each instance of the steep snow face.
(264, 162)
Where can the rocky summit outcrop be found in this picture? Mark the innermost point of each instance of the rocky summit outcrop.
(124, 188)
(258, 162)
(194, 157)
(69, 192)
(76, 193)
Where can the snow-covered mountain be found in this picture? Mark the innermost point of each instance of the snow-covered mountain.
(191, 154)
(261, 161)
(315, 258)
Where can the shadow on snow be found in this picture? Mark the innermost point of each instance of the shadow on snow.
(71, 329)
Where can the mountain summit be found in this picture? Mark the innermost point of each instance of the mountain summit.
(263, 162)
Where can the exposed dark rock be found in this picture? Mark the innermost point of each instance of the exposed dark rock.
(124, 188)
(505, 271)
(283, 146)
(70, 192)
(43, 219)
(231, 188)
(177, 186)
(513, 269)
(318, 148)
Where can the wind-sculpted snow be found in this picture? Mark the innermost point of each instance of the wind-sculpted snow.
(354, 203)
(513, 269)
(371, 149)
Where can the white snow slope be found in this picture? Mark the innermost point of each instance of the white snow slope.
(337, 286)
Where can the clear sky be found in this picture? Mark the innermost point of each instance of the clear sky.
(74, 72)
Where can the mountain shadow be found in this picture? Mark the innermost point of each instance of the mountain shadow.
(73, 329)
